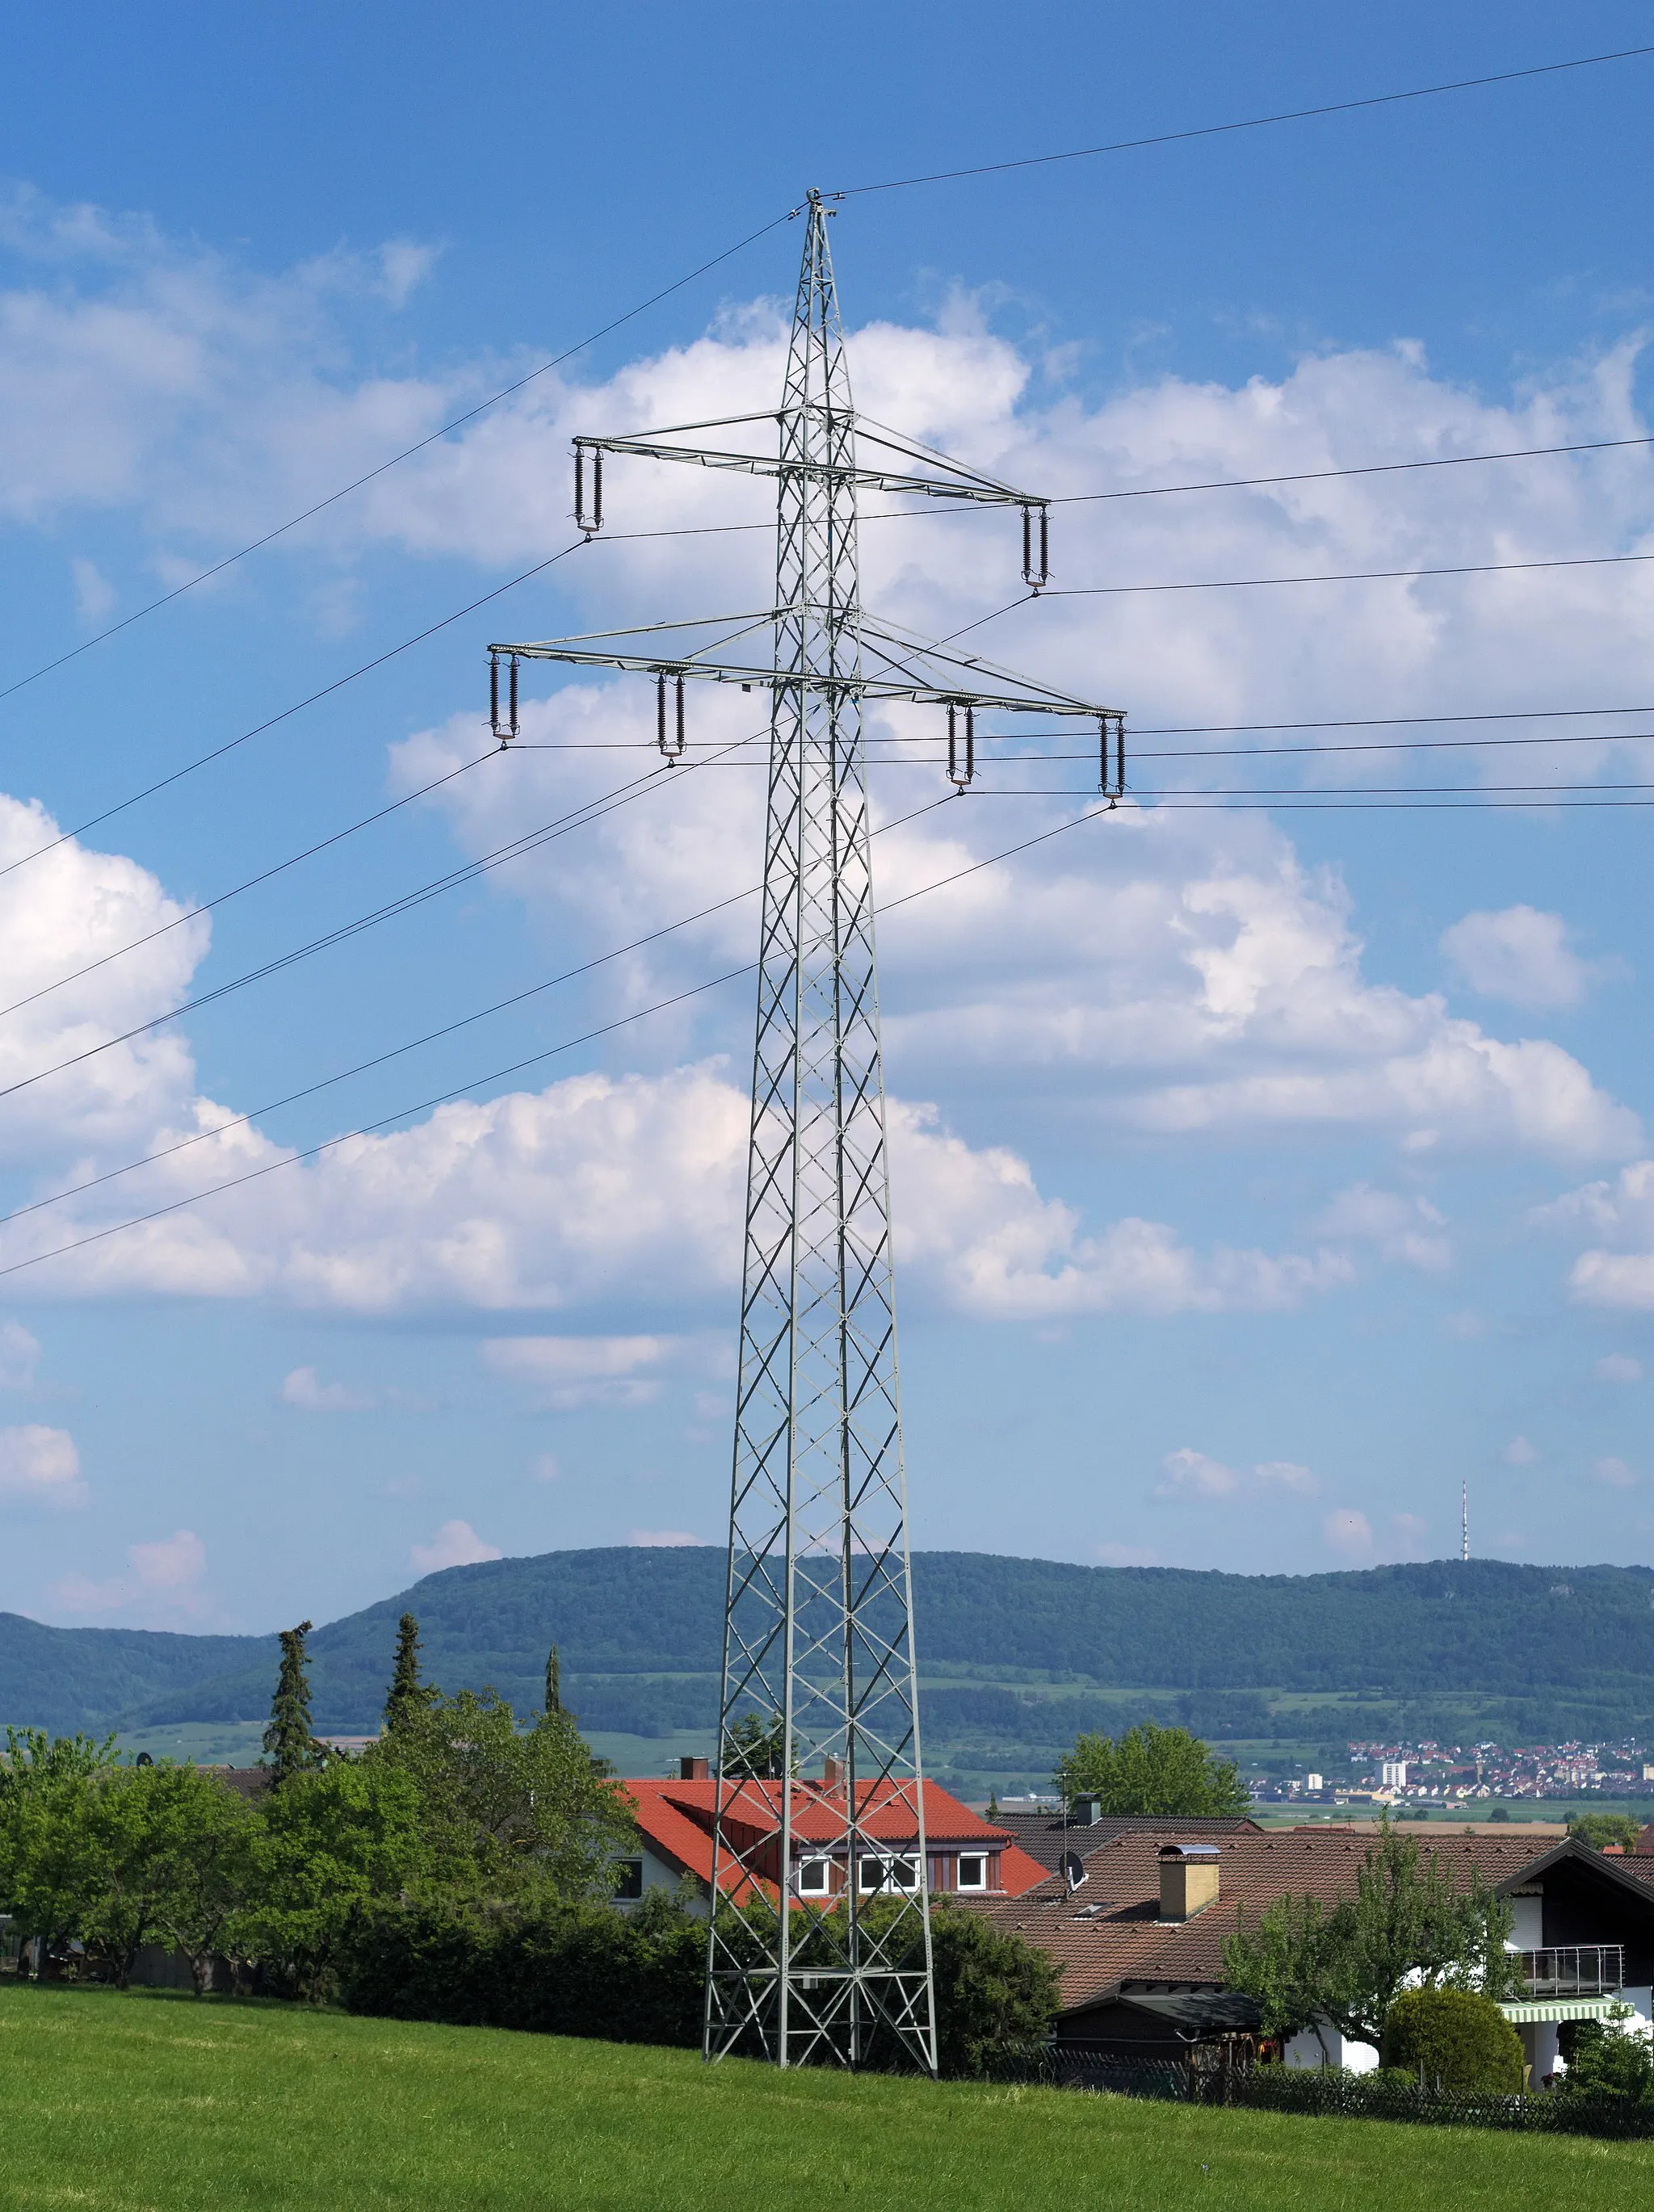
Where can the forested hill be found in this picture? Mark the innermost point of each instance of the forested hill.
(1582, 1636)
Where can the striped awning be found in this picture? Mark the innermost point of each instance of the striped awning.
(1534, 2008)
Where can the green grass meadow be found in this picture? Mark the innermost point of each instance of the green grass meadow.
(116, 2102)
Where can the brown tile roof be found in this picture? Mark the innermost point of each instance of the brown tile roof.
(248, 1781)
(1041, 1834)
(1110, 1932)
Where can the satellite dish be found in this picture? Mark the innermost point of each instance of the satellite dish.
(1074, 1870)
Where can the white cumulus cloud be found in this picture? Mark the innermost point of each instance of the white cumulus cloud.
(1619, 1367)
(305, 1388)
(41, 1465)
(1402, 1229)
(1519, 955)
(565, 1372)
(19, 1356)
(1613, 1473)
(1348, 1533)
(456, 1544)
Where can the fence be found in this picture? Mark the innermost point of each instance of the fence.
(1202, 2077)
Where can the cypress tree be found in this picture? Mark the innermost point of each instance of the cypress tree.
(408, 1696)
(287, 1740)
(553, 1681)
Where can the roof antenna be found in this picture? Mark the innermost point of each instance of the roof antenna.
(1464, 1523)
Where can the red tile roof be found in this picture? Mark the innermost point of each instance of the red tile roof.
(677, 1817)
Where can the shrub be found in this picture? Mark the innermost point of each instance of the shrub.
(1605, 2058)
(1458, 2038)
(558, 1969)
(996, 1997)
(587, 1970)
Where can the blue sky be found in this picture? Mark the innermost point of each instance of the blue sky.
(1259, 1173)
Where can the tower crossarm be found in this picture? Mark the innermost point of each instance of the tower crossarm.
(1036, 699)
(942, 478)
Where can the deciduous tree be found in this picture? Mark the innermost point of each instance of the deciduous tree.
(508, 1811)
(1157, 1773)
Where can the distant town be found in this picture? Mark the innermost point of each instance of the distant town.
(1437, 1773)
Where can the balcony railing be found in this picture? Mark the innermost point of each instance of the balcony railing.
(1574, 1970)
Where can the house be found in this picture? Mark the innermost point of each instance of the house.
(965, 1855)
(1046, 1836)
(1139, 1940)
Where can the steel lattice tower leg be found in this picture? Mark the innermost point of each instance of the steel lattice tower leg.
(819, 1665)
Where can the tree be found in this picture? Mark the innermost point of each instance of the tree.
(756, 1747)
(1608, 2058)
(407, 1695)
(1453, 2040)
(507, 1812)
(1599, 1828)
(333, 1841)
(291, 1746)
(554, 1682)
(52, 1871)
(209, 1868)
(155, 1831)
(1406, 1921)
(1291, 1965)
(1158, 1772)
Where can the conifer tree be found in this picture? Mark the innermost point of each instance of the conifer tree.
(408, 1696)
(291, 1746)
(553, 1681)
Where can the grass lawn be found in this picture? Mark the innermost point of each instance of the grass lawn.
(156, 2101)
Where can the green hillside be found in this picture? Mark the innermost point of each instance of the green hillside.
(123, 2101)
(1016, 1654)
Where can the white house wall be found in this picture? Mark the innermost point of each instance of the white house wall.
(1329, 2048)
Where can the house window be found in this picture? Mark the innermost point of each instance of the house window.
(973, 1870)
(812, 1878)
(628, 1879)
(895, 1873)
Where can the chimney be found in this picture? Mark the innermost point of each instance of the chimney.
(691, 1770)
(832, 1773)
(1084, 1812)
(1188, 1879)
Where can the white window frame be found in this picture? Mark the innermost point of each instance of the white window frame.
(978, 1859)
(820, 1888)
(883, 1867)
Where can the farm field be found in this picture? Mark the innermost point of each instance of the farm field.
(145, 2100)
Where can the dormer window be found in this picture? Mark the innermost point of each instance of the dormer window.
(973, 1870)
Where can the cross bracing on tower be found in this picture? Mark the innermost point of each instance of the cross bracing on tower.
(819, 1944)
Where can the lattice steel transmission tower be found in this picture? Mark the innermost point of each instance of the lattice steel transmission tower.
(818, 1804)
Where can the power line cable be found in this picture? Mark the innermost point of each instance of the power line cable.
(265, 876)
(525, 575)
(507, 391)
(339, 683)
(1250, 123)
(407, 453)
(1265, 583)
(431, 1036)
(475, 1083)
(623, 1021)
(579, 818)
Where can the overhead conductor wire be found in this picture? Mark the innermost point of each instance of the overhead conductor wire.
(850, 191)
